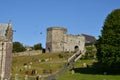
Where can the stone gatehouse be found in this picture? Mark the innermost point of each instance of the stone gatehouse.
(59, 41)
(6, 36)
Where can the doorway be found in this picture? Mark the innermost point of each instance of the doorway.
(76, 48)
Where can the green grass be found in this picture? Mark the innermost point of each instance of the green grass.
(83, 73)
(80, 76)
(55, 63)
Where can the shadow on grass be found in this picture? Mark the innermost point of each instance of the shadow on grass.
(86, 71)
(98, 69)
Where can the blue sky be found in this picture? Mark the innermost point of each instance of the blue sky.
(31, 17)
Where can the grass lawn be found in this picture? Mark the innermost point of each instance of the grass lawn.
(55, 63)
(82, 73)
(80, 76)
(41, 63)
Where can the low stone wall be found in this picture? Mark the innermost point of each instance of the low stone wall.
(28, 53)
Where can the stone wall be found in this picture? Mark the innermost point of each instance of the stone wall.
(59, 41)
(8, 60)
(55, 38)
(28, 53)
(6, 36)
(74, 41)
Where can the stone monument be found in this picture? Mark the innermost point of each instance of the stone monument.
(6, 36)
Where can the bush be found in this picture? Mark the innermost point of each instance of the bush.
(90, 52)
(37, 46)
(18, 47)
(60, 56)
(43, 60)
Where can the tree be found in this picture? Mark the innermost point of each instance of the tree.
(37, 46)
(18, 47)
(108, 44)
(90, 52)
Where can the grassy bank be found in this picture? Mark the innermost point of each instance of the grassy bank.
(84, 73)
(42, 64)
(50, 63)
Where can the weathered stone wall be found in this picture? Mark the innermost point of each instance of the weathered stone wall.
(8, 60)
(6, 37)
(73, 42)
(5, 60)
(55, 38)
(59, 41)
(28, 53)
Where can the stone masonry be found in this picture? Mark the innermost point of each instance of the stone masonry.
(6, 36)
(59, 41)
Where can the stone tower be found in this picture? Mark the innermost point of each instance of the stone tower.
(6, 36)
(59, 41)
(55, 39)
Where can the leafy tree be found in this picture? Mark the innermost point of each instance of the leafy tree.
(108, 44)
(18, 47)
(37, 46)
(90, 52)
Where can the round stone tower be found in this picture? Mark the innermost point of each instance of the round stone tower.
(55, 39)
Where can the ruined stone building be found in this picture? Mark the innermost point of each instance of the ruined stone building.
(59, 41)
(89, 40)
(6, 36)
